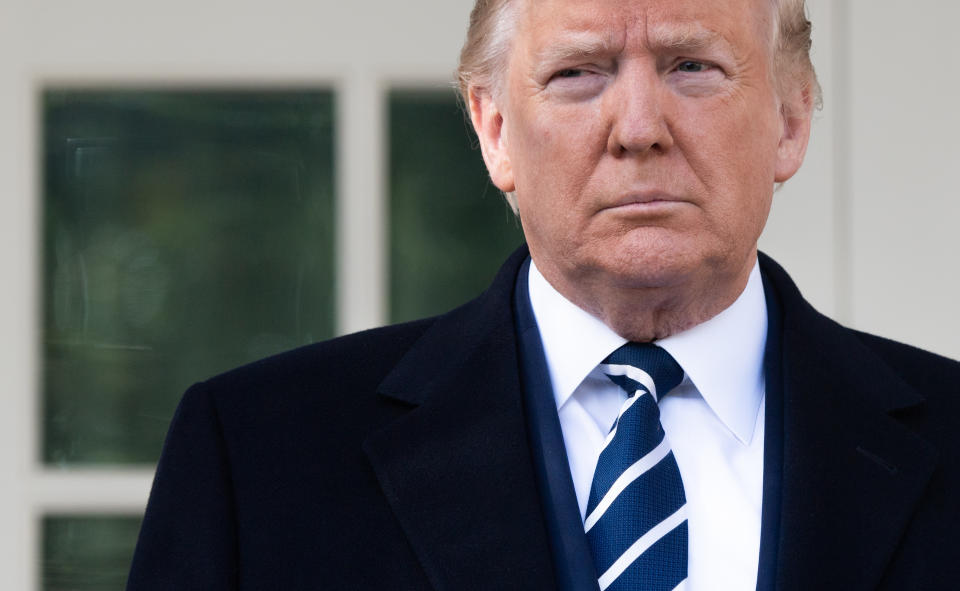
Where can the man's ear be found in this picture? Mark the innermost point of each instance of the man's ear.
(796, 114)
(487, 121)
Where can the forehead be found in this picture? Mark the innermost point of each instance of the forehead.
(620, 24)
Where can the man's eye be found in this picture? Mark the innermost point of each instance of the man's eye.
(569, 73)
(691, 67)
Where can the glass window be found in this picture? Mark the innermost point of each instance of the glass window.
(90, 553)
(450, 228)
(184, 233)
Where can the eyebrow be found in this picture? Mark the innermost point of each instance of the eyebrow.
(672, 39)
(685, 38)
(576, 46)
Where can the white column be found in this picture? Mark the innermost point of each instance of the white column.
(19, 319)
(361, 203)
(839, 82)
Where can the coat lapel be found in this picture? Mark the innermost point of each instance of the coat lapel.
(851, 472)
(457, 468)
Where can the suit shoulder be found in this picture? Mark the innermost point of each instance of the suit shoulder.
(317, 397)
(359, 359)
(926, 371)
(909, 356)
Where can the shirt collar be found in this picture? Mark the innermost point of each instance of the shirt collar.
(722, 357)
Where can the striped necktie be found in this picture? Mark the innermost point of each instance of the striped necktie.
(636, 520)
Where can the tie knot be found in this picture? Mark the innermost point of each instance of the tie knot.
(636, 365)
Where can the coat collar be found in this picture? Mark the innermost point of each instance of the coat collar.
(851, 473)
(457, 469)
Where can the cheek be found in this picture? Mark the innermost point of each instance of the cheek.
(567, 133)
(732, 153)
(554, 153)
(731, 143)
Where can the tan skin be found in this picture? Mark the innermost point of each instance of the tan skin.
(643, 139)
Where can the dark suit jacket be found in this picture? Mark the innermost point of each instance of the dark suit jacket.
(399, 458)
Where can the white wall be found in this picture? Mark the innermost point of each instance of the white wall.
(904, 157)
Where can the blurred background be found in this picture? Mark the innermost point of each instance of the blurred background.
(188, 186)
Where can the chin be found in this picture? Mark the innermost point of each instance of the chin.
(648, 278)
(651, 265)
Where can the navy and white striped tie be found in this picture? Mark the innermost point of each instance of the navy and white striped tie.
(636, 518)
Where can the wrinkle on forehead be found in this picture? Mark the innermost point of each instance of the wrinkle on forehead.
(588, 34)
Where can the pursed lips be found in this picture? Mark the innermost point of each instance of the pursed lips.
(645, 200)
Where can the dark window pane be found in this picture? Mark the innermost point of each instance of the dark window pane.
(184, 233)
(449, 226)
(87, 553)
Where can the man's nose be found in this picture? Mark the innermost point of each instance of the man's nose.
(637, 114)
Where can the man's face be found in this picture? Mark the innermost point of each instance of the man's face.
(643, 138)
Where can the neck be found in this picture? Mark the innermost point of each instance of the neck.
(644, 314)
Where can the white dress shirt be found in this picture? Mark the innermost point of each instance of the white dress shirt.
(713, 419)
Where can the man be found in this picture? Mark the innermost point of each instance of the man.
(495, 447)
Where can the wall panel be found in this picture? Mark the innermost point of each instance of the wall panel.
(905, 123)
